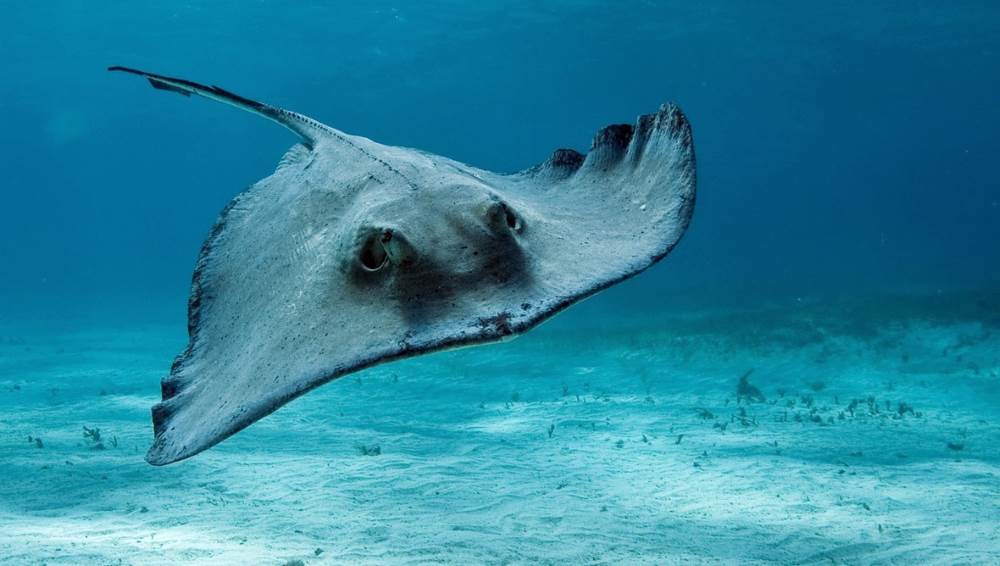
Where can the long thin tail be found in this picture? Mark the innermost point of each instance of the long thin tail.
(308, 129)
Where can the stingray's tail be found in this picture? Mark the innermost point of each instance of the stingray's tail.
(308, 129)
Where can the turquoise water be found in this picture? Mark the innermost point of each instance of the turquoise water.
(844, 257)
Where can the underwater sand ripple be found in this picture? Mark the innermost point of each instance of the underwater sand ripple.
(513, 454)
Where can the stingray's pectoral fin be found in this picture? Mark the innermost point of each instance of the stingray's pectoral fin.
(308, 129)
(656, 151)
(199, 410)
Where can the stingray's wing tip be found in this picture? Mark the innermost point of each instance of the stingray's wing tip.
(158, 456)
(163, 452)
(154, 458)
(169, 447)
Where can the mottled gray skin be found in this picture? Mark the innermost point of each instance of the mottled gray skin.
(354, 253)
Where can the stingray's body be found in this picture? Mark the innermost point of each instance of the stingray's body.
(354, 253)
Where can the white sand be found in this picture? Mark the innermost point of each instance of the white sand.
(468, 472)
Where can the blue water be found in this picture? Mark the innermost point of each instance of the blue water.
(845, 245)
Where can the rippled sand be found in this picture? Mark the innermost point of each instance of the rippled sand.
(878, 441)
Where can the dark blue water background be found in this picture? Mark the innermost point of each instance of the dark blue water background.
(843, 147)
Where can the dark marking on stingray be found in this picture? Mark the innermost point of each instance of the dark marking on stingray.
(616, 135)
(568, 158)
(498, 323)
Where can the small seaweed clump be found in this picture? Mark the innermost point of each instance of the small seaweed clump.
(745, 391)
(94, 436)
(36, 441)
(365, 450)
(96, 440)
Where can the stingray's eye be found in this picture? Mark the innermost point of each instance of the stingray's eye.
(373, 255)
(500, 215)
(381, 247)
(513, 222)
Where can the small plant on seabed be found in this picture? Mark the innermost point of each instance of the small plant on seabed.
(96, 440)
(365, 450)
(552, 429)
(36, 441)
(94, 436)
(852, 406)
(872, 405)
(745, 391)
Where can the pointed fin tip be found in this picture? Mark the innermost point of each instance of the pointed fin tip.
(167, 447)
(620, 136)
(157, 456)
(613, 143)
(161, 413)
(618, 142)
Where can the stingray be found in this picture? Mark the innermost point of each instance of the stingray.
(353, 253)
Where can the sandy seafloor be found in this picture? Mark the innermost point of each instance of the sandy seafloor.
(589, 440)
